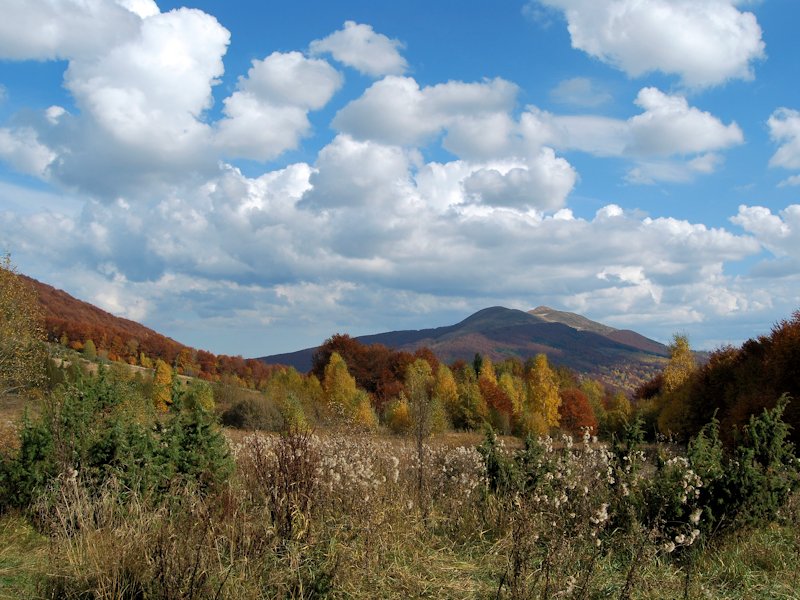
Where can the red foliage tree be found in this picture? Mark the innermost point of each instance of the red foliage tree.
(576, 412)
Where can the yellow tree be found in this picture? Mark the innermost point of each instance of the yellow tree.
(90, 350)
(361, 413)
(22, 352)
(618, 413)
(681, 363)
(162, 386)
(445, 390)
(543, 396)
(673, 403)
(487, 372)
(344, 399)
(338, 385)
(472, 409)
(418, 382)
(515, 390)
(595, 392)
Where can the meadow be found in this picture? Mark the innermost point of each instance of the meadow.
(103, 498)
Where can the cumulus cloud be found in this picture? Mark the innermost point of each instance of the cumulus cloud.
(650, 172)
(476, 122)
(784, 129)
(267, 115)
(142, 85)
(359, 46)
(395, 110)
(543, 184)
(23, 150)
(143, 89)
(779, 233)
(42, 30)
(705, 42)
(668, 128)
(265, 232)
(150, 91)
(165, 227)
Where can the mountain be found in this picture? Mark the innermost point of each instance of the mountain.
(75, 322)
(621, 357)
(80, 321)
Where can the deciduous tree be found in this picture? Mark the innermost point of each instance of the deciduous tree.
(22, 352)
(543, 395)
(162, 386)
(681, 363)
(576, 412)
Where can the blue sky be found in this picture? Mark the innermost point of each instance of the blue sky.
(253, 177)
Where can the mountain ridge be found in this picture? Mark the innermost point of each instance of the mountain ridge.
(618, 356)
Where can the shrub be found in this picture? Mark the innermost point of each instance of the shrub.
(398, 416)
(749, 484)
(101, 428)
(254, 413)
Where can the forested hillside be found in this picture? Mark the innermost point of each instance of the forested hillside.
(734, 385)
(95, 332)
(620, 358)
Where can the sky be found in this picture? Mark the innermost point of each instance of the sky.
(252, 177)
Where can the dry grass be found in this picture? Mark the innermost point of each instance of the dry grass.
(339, 516)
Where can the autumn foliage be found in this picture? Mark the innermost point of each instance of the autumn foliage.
(576, 412)
(733, 385)
(73, 323)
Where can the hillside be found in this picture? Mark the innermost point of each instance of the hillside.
(623, 358)
(73, 322)
(81, 321)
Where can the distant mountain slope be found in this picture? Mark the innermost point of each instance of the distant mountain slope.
(622, 357)
(82, 320)
(124, 340)
(573, 320)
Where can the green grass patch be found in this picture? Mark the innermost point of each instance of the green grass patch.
(23, 558)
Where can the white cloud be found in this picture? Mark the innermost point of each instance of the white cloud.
(164, 227)
(667, 127)
(357, 45)
(292, 79)
(543, 184)
(150, 91)
(371, 226)
(477, 124)
(267, 115)
(705, 42)
(386, 234)
(784, 128)
(670, 126)
(141, 83)
(43, 30)
(779, 233)
(396, 111)
(580, 91)
(350, 172)
(22, 148)
(790, 181)
(143, 8)
(670, 141)
(649, 172)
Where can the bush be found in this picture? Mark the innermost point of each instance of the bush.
(750, 484)
(102, 428)
(254, 413)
